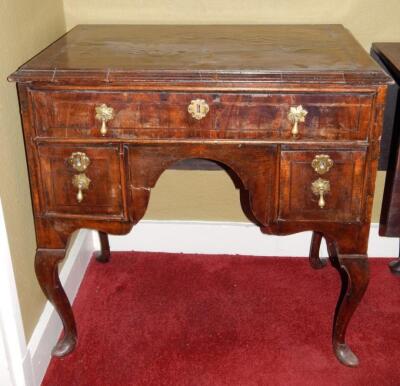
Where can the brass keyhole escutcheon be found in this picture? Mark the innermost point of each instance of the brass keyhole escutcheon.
(198, 108)
(79, 161)
(296, 114)
(322, 163)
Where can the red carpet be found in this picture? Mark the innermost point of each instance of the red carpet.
(194, 320)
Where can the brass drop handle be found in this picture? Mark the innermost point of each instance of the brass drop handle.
(81, 182)
(297, 114)
(320, 187)
(104, 113)
(198, 108)
(80, 162)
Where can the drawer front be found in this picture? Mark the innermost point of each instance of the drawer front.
(321, 185)
(96, 170)
(150, 115)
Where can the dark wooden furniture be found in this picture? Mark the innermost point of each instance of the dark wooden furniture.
(293, 113)
(388, 55)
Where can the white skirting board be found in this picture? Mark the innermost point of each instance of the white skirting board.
(236, 238)
(175, 236)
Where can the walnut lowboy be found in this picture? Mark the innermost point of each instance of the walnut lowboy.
(302, 147)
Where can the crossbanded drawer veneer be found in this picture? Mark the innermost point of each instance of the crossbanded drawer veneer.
(293, 113)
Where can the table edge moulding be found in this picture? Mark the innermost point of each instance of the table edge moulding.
(293, 113)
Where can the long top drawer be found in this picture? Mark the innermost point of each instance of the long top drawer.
(147, 115)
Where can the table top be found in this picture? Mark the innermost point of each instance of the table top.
(274, 52)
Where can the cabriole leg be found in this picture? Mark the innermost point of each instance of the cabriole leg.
(46, 268)
(103, 256)
(315, 261)
(354, 272)
(395, 266)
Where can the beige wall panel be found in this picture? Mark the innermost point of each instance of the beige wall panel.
(380, 184)
(369, 20)
(26, 27)
(195, 195)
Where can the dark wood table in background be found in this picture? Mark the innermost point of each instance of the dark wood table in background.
(293, 113)
(388, 56)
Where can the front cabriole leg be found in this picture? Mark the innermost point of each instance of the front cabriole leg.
(354, 272)
(46, 268)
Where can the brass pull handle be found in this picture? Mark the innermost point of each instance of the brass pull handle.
(104, 114)
(321, 163)
(79, 161)
(198, 108)
(81, 182)
(297, 114)
(320, 187)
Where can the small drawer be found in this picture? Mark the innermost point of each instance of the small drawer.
(81, 180)
(128, 114)
(319, 185)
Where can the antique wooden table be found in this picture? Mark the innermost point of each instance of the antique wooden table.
(388, 55)
(293, 113)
